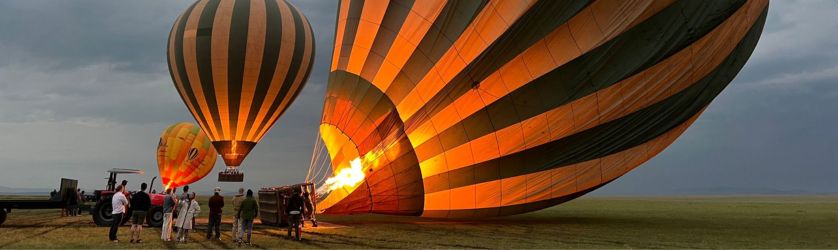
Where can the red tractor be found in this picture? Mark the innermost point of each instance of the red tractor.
(101, 212)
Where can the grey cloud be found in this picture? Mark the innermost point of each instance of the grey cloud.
(68, 34)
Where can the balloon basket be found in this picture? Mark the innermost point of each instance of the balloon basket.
(230, 176)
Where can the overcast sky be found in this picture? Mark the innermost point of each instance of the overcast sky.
(84, 87)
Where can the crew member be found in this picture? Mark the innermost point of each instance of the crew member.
(141, 202)
(119, 204)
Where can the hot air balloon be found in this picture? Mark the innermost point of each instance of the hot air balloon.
(238, 65)
(489, 108)
(184, 155)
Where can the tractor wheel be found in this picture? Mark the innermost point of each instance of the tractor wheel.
(2, 216)
(155, 216)
(102, 213)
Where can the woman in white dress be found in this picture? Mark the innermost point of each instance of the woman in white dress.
(188, 209)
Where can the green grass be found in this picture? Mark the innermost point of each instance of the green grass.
(598, 222)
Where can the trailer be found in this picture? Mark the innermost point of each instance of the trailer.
(274, 200)
(57, 201)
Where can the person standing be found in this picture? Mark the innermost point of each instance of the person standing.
(248, 210)
(185, 197)
(294, 211)
(188, 209)
(216, 202)
(168, 208)
(79, 201)
(309, 210)
(237, 221)
(119, 205)
(72, 201)
(141, 202)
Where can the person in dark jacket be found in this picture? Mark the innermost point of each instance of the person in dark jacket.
(248, 210)
(72, 201)
(141, 202)
(216, 202)
(294, 210)
(295, 203)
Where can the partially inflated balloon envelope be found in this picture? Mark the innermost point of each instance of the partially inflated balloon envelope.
(184, 155)
(491, 108)
(238, 65)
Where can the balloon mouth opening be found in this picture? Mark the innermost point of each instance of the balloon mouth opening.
(233, 152)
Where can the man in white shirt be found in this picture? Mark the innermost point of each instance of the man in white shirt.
(119, 204)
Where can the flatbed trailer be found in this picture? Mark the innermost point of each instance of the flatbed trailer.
(58, 201)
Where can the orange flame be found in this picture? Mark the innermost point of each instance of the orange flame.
(346, 177)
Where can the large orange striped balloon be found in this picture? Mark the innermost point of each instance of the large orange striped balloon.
(238, 65)
(496, 107)
(184, 155)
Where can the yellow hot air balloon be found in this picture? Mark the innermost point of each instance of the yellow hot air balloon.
(238, 65)
(184, 155)
(496, 107)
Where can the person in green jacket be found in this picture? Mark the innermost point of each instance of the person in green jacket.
(248, 210)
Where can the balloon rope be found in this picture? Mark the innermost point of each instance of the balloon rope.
(314, 154)
(321, 173)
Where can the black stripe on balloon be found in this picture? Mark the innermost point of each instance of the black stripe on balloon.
(394, 17)
(448, 26)
(353, 18)
(335, 33)
(511, 209)
(180, 66)
(637, 49)
(236, 53)
(365, 98)
(203, 54)
(304, 80)
(310, 56)
(612, 137)
(270, 58)
(537, 22)
(296, 59)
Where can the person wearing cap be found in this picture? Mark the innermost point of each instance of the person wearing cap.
(216, 202)
(237, 221)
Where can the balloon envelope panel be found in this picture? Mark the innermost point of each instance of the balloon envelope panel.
(238, 65)
(492, 108)
(184, 155)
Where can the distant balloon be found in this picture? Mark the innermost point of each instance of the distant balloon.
(184, 155)
(238, 65)
(497, 107)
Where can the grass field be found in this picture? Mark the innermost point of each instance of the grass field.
(588, 222)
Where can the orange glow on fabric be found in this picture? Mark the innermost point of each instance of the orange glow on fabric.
(184, 155)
